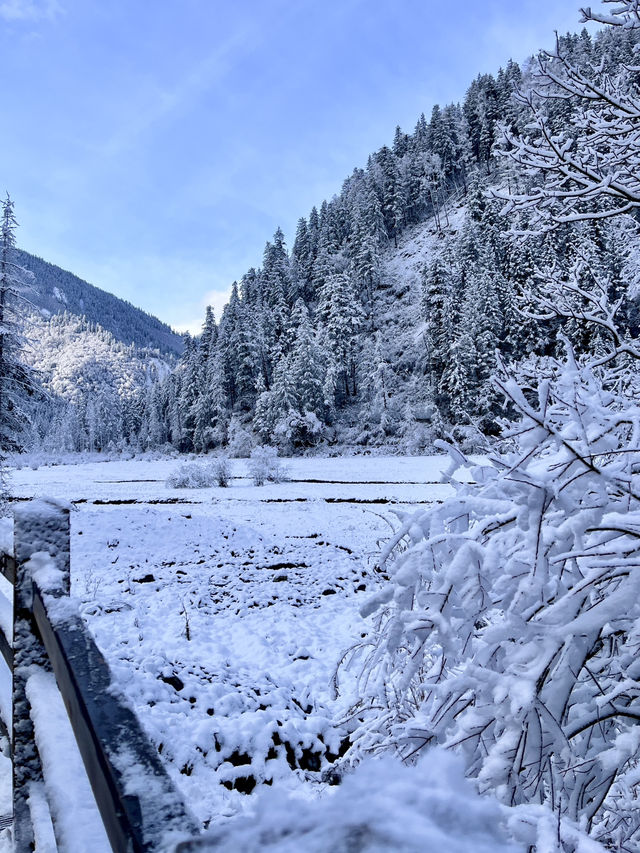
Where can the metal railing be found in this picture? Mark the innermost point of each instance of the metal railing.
(139, 806)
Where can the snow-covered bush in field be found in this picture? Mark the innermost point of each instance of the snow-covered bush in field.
(264, 465)
(382, 806)
(222, 470)
(193, 475)
(509, 629)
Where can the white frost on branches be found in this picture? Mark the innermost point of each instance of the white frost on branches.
(600, 161)
(510, 626)
(625, 13)
(509, 629)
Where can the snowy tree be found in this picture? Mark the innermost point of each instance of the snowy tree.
(209, 334)
(339, 309)
(189, 393)
(275, 407)
(308, 364)
(246, 353)
(593, 173)
(509, 629)
(276, 272)
(439, 286)
(378, 383)
(365, 259)
(458, 381)
(210, 408)
(17, 382)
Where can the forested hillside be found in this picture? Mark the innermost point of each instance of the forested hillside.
(93, 385)
(382, 323)
(56, 291)
(95, 356)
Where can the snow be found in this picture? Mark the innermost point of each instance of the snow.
(372, 478)
(382, 806)
(223, 611)
(76, 817)
(45, 840)
(6, 611)
(5, 764)
(45, 573)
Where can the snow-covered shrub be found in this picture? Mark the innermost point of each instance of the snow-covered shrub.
(222, 470)
(193, 475)
(509, 629)
(297, 430)
(264, 465)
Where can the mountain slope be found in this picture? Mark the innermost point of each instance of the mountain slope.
(55, 291)
(381, 324)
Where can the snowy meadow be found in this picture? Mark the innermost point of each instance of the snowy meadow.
(223, 612)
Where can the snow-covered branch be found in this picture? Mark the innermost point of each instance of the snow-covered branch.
(592, 173)
(625, 13)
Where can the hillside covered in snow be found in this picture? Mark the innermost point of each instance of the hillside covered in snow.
(55, 291)
(382, 324)
(95, 357)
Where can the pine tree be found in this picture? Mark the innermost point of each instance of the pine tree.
(307, 365)
(246, 358)
(438, 289)
(458, 381)
(189, 392)
(209, 334)
(378, 381)
(274, 408)
(17, 381)
(226, 338)
(302, 259)
(339, 309)
(210, 412)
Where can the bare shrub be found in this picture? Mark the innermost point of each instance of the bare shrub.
(192, 475)
(264, 465)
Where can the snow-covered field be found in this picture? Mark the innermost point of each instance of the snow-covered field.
(223, 612)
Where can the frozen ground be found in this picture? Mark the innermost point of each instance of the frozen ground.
(358, 478)
(223, 612)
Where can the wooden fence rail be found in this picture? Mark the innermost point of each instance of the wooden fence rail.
(138, 803)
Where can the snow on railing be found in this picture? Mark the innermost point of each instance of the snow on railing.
(139, 806)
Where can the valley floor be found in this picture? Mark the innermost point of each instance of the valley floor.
(223, 612)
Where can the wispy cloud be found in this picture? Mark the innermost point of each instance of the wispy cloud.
(203, 75)
(29, 10)
(166, 102)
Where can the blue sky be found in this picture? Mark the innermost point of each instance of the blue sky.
(153, 146)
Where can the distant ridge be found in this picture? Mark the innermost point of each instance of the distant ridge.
(56, 291)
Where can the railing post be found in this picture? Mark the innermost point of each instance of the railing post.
(38, 526)
(43, 525)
